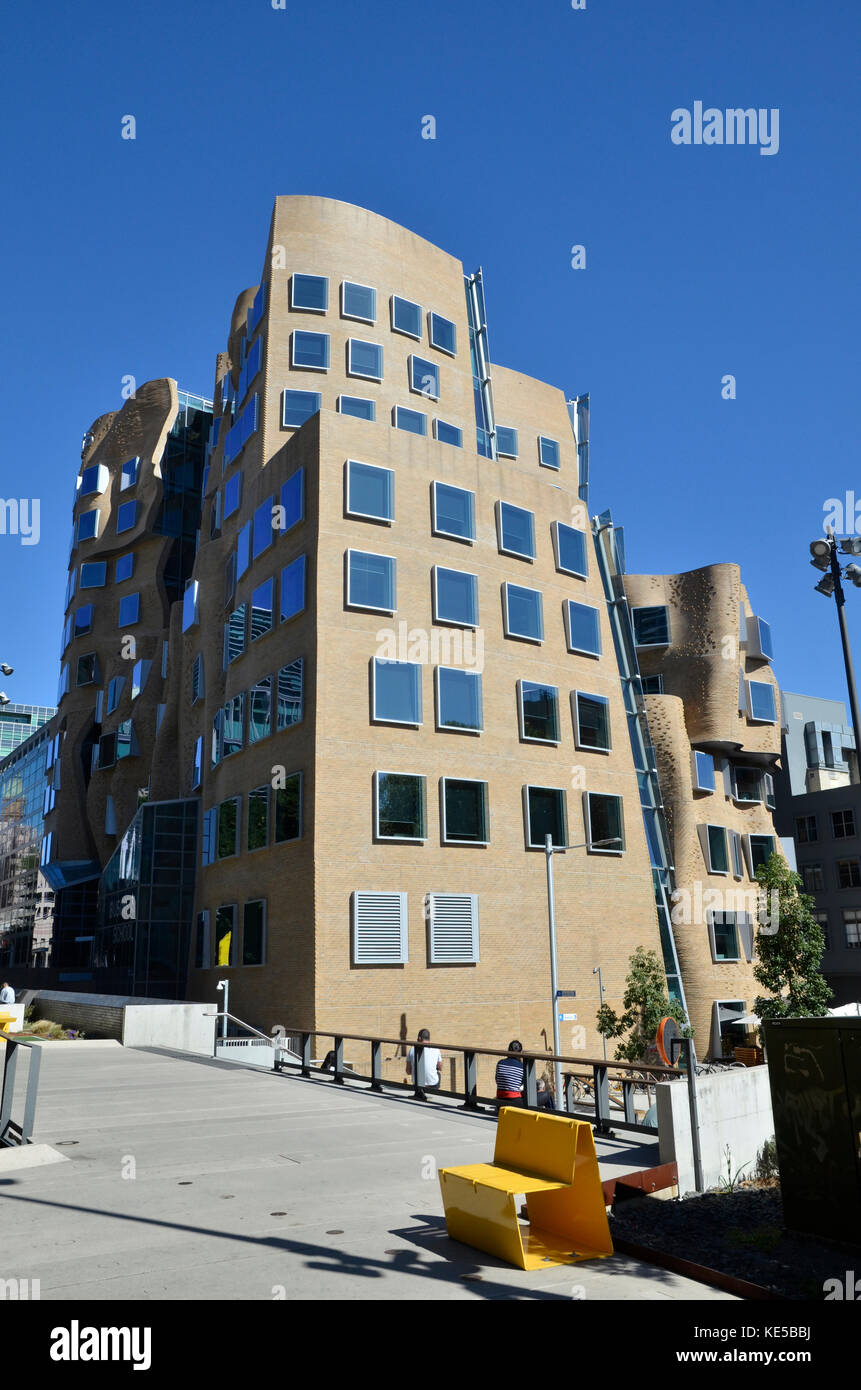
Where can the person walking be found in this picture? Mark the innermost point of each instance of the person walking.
(430, 1066)
(509, 1076)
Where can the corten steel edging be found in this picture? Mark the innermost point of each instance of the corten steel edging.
(655, 1179)
(741, 1288)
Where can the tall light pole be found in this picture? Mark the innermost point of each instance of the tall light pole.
(597, 971)
(824, 553)
(549, 850)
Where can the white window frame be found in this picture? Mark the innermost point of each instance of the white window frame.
(436, 423)
(365, 376)
(695, 774)
(436, 902)
(417, 390)
(723, 960)
(530, 738)
(358, 318)
(399, 839)
(367, 516)
(594, 848)
(454, 622)
(705, 842)
(369, 400)
(416, 337)
(754, 627)
(581, 651)
(520, 636)
(557, 550)
(575, 703)
(504, 453)
(422, 415)
(296, 390)
(500, 539)
(546, 439)
(454, 728)
(305, 308)
(479, 782)
(746, 800)
(364, 607)
(433, 314)
(757, 718)
(541, 787)
(648, 646)
(361, 955)
(306, 366)
(385, 719)
(435, 525)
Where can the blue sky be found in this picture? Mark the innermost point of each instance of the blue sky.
(553, 129)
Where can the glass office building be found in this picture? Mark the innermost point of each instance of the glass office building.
(26, 900)
(18, 722)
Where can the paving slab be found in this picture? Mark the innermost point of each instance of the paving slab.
(192, 1179)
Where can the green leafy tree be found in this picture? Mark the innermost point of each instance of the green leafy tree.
(644, 1004)
(788, 958)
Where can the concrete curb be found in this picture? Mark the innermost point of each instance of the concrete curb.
(29, 1156)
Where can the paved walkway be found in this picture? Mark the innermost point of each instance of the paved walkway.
(190, 1179)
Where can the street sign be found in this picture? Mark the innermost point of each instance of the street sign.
(567, 1018)
(566, 994)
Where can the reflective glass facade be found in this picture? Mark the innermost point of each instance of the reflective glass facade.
(24, 894)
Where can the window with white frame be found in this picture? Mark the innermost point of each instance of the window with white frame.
(458, 699)
(582, 628)
(455, 597)
(396, 692)
(309, 293)
(591, 722)
(523, 613)
(400, 807)
(364, 359)
(371, 581)
(358, 302)
(463, 808)
(569, 547)
(370, 491)
(703, 769)
(453, 512)
(515, 529)
(546, 814)
(442, 334)
(651, 626)
(538, 705)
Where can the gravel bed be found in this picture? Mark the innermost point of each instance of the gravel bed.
(739, 1233)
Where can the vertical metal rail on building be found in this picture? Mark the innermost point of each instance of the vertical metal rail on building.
(609, 547)
(485, 425)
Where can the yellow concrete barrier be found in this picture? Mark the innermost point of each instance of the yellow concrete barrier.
(551, 1160)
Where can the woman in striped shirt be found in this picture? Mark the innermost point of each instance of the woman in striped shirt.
(509, 1075)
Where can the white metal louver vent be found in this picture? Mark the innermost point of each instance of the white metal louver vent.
(453, 928)
(380, 934)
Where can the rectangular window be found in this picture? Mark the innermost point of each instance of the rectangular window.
(410, 420)
(539, 712)
(232, 494)
(233, 725)
(442, 334)
(400, 806)
(848, 870)
(761, 705)
(226, 835)
(115, 690)
(126, 516)
(262, 534)
(262, 602)
(761, 849)
(724, 934)
(653, 685)
(229, 578)
(254, 933)
(545, 815)
(310, 350)
(360, 406)
(811, 875)
(843, 824)
(758, 635)
(651, 626)
(92, 480)
(448, 434)
(371, 581)
(515, 528)
(768, 790)
(703, 769)
(140, 672)
(83, 620)
(396, 692)
(548, 452)
(464, 811)
(592, 721)
(310, 293)
(190, 614)
(604, 821)
(292, 501)
(406, 317)
(197, 767)
(129, 474)
(806, 832)
(852, 927)
(380, 929)
(453, 512)
(258, 818)
(293, 589)
(523, 613)
(370, 491)
(234, 634)
(88, 669)
(506, 442)
(225, 935)
(358, 302)
(455, 597)
(569, 546)
(583, 628)
(130, 609)
(243, 550)
(94, 575)
(125, 568)
(747, 784)
(288, 809)
(424, 377)
(717, 856)
(737, 859)
(458, 699)
(260, 710)
(87, 527)
(202, 942)
(299, 406)
(364, 359)
(290, 694)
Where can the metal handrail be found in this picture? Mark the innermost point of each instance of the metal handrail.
(273, 1042)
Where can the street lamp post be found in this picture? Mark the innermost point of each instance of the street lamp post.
(825, 557)
(597, 971)
(549, 850)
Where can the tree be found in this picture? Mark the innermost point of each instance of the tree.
(789, 949)
(644, 1004)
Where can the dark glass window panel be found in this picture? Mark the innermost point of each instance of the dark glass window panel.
(288, 809)
(546, 815)
(400, 806)
(540, 711)
(465, 811)
(253, 925)
(459, 698)
(290, 694)
(258, 818)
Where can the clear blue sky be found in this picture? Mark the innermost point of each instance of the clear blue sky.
(553, 128)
